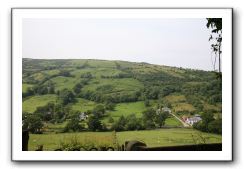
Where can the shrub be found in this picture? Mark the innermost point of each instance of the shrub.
(73, 125)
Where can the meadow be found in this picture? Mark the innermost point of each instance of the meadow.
(153, 138)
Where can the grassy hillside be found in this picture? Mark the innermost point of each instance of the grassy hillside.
(118, 93)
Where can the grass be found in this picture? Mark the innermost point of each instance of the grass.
(53, 141)
(167, 137)
(38, 76)
(97, 72)
(183, 107)
(30, 104)
(61, 82)
(126, 109)
(51, 72)
(83, 105)
(25, 86)
(175, 98)
(161, 137)
(118, 85)
(172, 122)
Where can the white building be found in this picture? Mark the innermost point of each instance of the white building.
(192, 120)
(83, 116)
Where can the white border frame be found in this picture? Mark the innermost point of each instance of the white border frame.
(18, 155)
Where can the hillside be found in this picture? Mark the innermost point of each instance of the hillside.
(123, 88)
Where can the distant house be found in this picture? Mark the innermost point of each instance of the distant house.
(83, 116)
(164, 109)
(192, 120)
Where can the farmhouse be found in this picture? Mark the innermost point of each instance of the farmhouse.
(192, 120)
(83, 116)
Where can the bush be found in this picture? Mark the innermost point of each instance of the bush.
(94, 123)
(215, 126)
(32, 122)
(66, 96)
(110, 120)
(73, 125)
(120, 124)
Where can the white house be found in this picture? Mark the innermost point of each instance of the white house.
(83, 116)
(192, 120)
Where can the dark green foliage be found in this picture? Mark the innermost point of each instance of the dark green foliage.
(147, 103)
(153, 119)
(65, 73)
(52, 112)
(99, 111)
(32, 123)
(87, 75)
(28, 93)
(110, 120)
(160, 118)
(133, 123)
(77, 88)
(207, 117)
(109, 106)
(66, 96)
(42, 89)
(209, 124)
(120, 124)
(148, 117)
(98, 96)
(118, 76)
(215, 126)
(73, 125)
(94, 123)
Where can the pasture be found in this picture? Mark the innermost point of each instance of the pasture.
(153, 138)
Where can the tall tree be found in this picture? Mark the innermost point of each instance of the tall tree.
(215, 24)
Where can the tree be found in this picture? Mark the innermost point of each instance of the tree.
(160, 118)
(207, 117)
(110, 120)
(148, 118)
(146, 103)
(209, 124)
(73, 125)
(216, 37)
(94, 123)
(98, 111)
(109, 106)
(120, 124)
(215, 126)
(77, 88)
(87, 75)
(133, 123)
(66, 96)
(65, 73)
(32, 123)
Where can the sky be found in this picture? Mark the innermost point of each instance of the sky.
(172, 42)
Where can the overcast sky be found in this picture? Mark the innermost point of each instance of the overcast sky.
(172, 42)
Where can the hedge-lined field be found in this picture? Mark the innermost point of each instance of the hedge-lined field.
(160, 137)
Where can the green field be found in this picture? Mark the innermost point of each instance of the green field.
(82, 105)
(160, 137)
(126, 109)
(25, 87)
(33, 102)
(172, 122)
